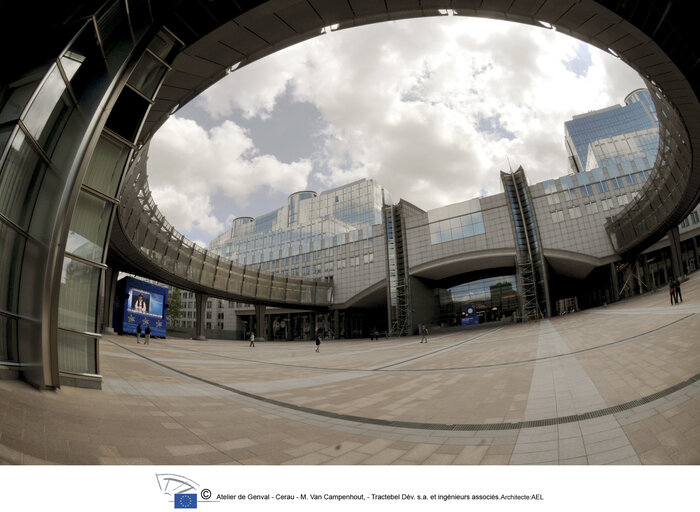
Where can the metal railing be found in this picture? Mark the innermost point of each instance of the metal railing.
(173, 259)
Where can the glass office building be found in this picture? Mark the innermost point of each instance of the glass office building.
(617, 140)
(299, 238)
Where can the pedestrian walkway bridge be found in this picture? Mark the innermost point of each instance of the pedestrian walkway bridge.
(143, 242)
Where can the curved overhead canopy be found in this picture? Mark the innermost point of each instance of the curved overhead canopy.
(655, 38)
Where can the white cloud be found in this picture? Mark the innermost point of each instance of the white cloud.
(402, 102)
(188, 165)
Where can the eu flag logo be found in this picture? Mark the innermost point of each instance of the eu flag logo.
(185, 501)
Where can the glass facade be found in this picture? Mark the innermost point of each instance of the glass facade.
(591, 192)
(58, 188)
(620, 139)
(494, 298)
(300, 238)
(456, 221)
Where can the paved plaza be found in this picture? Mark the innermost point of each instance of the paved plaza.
(612, 385)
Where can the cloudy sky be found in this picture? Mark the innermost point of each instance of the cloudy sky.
(433, 109)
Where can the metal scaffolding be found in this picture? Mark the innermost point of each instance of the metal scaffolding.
(397, 289)
(530, 265)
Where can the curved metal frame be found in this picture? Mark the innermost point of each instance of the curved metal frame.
(143, 240)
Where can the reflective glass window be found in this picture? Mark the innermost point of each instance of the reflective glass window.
(11, 254)
(77, 306)
(147, 75)
(107, 165)
(8, 339)
(48, 110)
(456, 228)
(162, 45)
(88, 228)
(14, 101)
(5, 134)
(575, 212)
(28, 189)
(114, 33)
(76, 353)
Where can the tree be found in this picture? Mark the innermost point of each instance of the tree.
(174, 306)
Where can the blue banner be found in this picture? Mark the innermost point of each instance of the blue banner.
(140, 303)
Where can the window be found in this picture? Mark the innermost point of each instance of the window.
(455, 228)
(591, 208)
(575, 212)
(586, 188)
(553, 199)
(599, 178)
(558, 216)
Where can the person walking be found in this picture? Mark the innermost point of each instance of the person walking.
(252, 339)
(147, 339)
(138, 333)
(677, 290)
(318, 342)
(424, 339)
(672, 289)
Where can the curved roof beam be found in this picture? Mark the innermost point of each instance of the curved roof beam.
(656, 40)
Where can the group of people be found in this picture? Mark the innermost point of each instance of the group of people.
(147, 334)
(674, 289)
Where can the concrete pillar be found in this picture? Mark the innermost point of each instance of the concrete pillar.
(260, 321)
(201, 305)
(640, 281)
(613, 281)
(336, 324)
(111, 275)
(695, 253)
(268, 328)
(674, 239)
(288, 331)
(649, 275)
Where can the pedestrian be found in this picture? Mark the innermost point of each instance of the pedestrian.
(252, 339)
(147, 339)
(424, 339)
(672, 289)
(677, 290)
(318, 342)
(138, 333)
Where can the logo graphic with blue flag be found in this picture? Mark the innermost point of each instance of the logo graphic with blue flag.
(185, 500)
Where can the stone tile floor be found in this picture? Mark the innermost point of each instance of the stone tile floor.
(613, 385)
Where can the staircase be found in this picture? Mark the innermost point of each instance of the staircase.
(530, 265)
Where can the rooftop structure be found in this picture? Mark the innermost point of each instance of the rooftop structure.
(617, 137)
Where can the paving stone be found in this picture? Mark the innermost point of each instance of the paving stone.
(465, 380)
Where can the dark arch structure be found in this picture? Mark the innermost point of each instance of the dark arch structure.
(77, 111)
